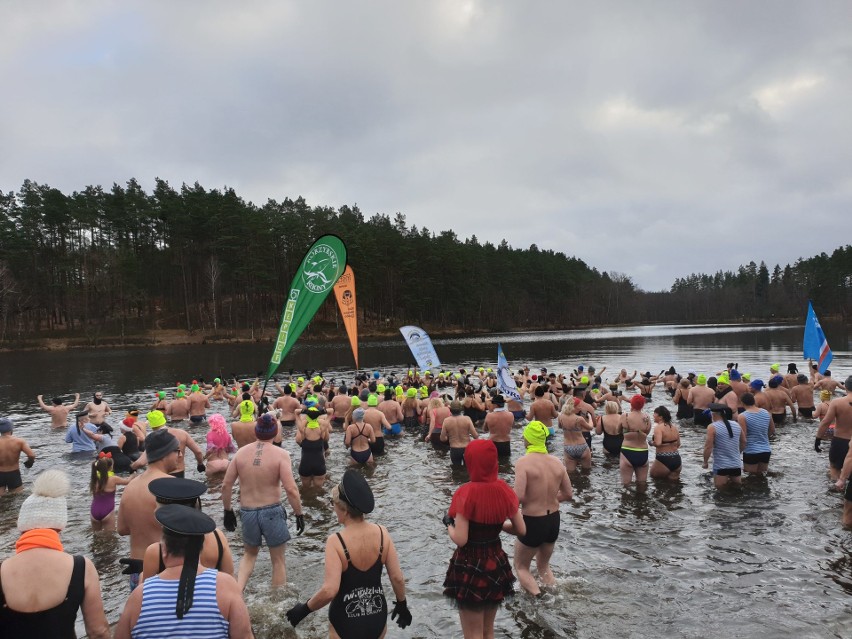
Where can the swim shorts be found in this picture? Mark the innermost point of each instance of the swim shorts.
(269, 522)
(11, 479)
(457, 456)
(837, 452)
(504, 449)
(756, 458)
(196, 419)
(395, 429)
(541, 530)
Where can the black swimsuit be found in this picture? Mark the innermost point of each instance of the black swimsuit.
(312, 463)
(360, 609)
(55, 622)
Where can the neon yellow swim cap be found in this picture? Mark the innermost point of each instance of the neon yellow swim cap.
(246, 410)
(356, 401)
(398, 390)
(380, 388)
(372, 400)
(411, 392)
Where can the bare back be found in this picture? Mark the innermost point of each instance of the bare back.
(541, 482)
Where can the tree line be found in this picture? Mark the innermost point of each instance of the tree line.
(121, 261)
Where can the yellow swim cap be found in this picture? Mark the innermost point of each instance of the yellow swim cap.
(301, 380)
(246, 410)
(156, 419)
(411, 392)
(536, 434)
(372, 400)
(380, 388)
(398, 390)
(356, 401)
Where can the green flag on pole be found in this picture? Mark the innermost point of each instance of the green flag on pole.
(321, 267)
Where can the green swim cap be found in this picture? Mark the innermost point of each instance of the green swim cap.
(301, 380)
(747, 376)
(410, 373)
(234, 392)
(161, 394)
(490, 370)
(424, 392)
(356, 401)
(195, 388)
(246, 410)
(380, 388)
(701, 380)
(181, 386)
(292, 386)
(312, 398)
(398, 390)
(180, 394)
(372, 400)
(481, 369)
(426, 373)
(216, 380)
(584, 379)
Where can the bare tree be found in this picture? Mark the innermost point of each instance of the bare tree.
(214, 272)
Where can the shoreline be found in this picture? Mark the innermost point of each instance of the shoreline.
(177, 337)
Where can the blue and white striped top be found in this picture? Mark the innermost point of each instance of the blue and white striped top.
(157, 619)
(757, 431)
(726, 449)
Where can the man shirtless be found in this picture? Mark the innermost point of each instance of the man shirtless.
(458, 430)
(178, 409)
(840, 414)
(376, 418)
(541, 482)
(58, 412)
(263, 470)
(392, 411)
(287, 404)
(340, 405)
(98, 409)
(156, 420)
(499, 423)
(542, 409)
(700, 397)
(803, 395)
(779, 399)
(11, 448)
(198, 405)
(827, 383)
(137, 505)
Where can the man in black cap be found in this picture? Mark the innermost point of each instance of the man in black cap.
(262, 470)
(137, 505)
(215, 553)
(185, 599)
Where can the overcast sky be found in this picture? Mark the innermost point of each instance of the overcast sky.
(647, 138)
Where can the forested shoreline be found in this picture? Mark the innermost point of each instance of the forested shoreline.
(101, 263)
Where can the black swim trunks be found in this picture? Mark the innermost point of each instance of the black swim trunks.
(729, 472)
(179, 474)
(848, 494)
(338, 421)
(504, 449)
(778, 418)
(197, 419)
(288, 422)
(700, 419)
(11, 479)
(756, 458)
(541, 530)
(807, 413)
(837, 452)
(457, 456)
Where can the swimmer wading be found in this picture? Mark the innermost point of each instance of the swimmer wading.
(321, 267)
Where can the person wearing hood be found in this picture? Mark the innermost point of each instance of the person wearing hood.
(479, 577)
(42, 587)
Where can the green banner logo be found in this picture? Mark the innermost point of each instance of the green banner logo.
(321, 267)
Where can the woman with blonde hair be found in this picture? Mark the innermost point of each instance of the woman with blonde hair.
(609, 426)
(573, 426)
(437, 412)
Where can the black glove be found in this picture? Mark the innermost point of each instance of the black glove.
(300, 527)
(818, 445)
(201, 467)
(230, 521)
(134, 566)
(29, 463)
(400, 609)
(447, 520)
(297, 613)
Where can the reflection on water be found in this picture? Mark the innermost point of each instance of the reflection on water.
(677, 559)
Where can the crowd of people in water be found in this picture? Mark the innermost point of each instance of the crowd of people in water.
(181, 574)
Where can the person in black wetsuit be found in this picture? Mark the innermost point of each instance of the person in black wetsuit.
(358, 606)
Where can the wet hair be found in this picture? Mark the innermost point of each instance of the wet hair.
(802, 379)
(611, 407)
(663, 413)
(684, 383)
(105, 428)
(712, 382)
(388, 394)
(246, 396)
(176, 545)
(57, 401)
(747, 399)
(539, 391)
(100, 474)
(672, 371)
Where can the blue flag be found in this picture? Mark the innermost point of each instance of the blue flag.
(504, 377)
(815, 344)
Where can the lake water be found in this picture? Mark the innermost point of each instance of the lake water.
(680, 560)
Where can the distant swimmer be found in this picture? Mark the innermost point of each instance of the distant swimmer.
(98, 409)
(700, 397)
(58, 411)
(458, 431)
(634, 449)
(803, 396)
(199, 402)
(574, 426)
(498, 424)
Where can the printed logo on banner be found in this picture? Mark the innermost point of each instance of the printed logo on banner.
(320, 269)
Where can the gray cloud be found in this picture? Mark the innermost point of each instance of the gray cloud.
(652, 139)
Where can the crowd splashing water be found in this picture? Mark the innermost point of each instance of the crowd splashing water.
(769, 559)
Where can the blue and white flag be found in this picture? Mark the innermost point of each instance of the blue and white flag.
(504, 377)
(815, 344)
(421, 347)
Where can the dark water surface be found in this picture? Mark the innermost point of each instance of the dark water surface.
(769, 560)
